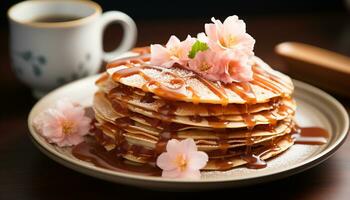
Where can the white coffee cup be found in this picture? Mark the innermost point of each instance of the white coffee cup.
(47, 54)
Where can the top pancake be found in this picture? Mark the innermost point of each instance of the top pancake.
(179, 84)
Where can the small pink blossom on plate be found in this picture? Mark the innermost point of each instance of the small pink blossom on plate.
(174, 51)
(64, 125)
(182, 160)
(230, 35)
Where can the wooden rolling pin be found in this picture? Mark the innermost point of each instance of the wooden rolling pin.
(325, 69)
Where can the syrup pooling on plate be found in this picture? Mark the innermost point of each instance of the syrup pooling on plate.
(310, 135)
(97, 155)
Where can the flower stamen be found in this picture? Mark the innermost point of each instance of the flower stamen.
(67, 127)
(181, 162)
(176, 52)
(204, 67)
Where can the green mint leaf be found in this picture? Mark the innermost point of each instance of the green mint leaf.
(197, 47)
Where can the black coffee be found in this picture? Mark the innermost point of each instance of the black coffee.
(56, 18)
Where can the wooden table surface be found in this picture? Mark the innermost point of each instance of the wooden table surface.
(25, 173)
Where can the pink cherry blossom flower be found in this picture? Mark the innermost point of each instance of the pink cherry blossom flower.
(210, 64)
(64, 125)
(182, 160)
(240, 71)
(174, 51)
(230, 35)
(218, 66)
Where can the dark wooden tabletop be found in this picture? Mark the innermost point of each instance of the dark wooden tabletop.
(25, 173)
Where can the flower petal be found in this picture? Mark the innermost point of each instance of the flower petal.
(173, 42)
(51, 125)
(64, 105)
(159, 54)
(71, 140)
(173, 146)
(84, 126)
(197, 160)
(210, 30)
(174, 173)
(166, 162)
(191, 174)
(202, 37)
(233, 26)
(248, 43)
(188, 145)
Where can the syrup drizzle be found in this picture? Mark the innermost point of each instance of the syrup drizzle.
(219, 91)
(244, 90)
(255, 161)
(223, 140)
(261, 78)
(167, 92)
(100, 157)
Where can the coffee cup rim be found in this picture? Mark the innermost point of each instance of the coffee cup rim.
(97, 11)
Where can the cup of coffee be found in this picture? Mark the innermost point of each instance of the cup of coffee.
(55, 42)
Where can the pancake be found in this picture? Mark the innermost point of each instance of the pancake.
(282, 144)
(139, 107)
(150, 102)
(102, 104)
(205, 140)
(236, 159)
(177, 83)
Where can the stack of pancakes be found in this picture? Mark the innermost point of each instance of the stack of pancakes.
(139, 107)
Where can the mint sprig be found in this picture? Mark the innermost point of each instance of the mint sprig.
(197, 47)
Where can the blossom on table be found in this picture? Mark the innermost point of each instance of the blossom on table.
(182, 160)
(65, 124)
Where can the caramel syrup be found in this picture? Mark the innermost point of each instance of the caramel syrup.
(100, 157)
(310, 135)
(301, 135)
(261, 78)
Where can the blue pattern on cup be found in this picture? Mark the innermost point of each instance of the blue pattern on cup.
(37, 62)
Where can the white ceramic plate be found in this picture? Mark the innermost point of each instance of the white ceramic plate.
(315, 108)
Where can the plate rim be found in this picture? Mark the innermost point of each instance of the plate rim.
(302, 166)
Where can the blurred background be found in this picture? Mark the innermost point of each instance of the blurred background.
(155, 9)
(159, 15)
